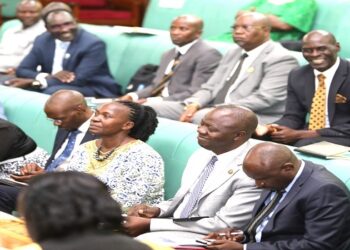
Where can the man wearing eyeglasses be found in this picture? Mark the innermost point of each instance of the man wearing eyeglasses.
(69, 112)
(252, 74)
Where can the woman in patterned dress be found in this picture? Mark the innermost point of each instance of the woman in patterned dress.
(132, 170)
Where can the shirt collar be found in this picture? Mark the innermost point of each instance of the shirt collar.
(183, 49)
(296, 177)
(233, 154)
(256, 51)
(329, 73)
(85, 126)
(61, 44)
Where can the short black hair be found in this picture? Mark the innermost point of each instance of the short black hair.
(58, 204)
(144, 119)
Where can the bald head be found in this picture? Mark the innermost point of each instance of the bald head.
(226, 128)
(67, 109)
(192, 20)
(320, 49)
(238, 117)
(28, 12)
(65, 99)
(251, 29)
(272, 165)
(185, 29)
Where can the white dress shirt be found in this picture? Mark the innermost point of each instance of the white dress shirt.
(16, 43)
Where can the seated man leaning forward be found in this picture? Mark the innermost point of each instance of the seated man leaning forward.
(184, 68)
(303, 205)
(66, 57)
(318, 99)
(68, 111)
(253, 74)
(214, 191)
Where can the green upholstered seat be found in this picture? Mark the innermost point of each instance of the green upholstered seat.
(218, 15)
(25, 109)
(175, 141)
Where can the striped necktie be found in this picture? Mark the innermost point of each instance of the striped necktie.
(264, 212)
(197, 190)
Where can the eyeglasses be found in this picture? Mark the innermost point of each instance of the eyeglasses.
(246, 28)
(55, 121)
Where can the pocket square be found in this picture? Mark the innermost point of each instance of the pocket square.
(340, 99)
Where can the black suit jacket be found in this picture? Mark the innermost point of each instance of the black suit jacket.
(61, 136)
(301, 89)
(315, 214)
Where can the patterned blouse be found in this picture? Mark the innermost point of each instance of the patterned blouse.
(134, 172)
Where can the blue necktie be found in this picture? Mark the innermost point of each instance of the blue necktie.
(197, 190)
(66, 152)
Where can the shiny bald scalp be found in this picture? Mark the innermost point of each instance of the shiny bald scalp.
(320, 33)
(66, 99)
(192, 20)
(270, 155)
(238, 117)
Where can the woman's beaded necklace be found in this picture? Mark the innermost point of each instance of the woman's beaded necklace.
(101, 156)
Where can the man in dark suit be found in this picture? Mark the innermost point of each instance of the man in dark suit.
(320, 49)
(312, 212)
(196, 62)
(68, 110)
(66, 57)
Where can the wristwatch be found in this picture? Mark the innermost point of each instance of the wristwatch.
(36, 84)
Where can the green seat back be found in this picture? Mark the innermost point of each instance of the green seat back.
(25, 109)
(9, 8)
(218, 15)
(333, 16)
(175, 142)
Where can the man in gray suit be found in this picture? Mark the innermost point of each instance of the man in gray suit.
(260, 84)
(184, 68)
(227, 195)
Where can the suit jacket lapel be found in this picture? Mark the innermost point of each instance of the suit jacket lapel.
(256, 64)
(71, 50)
(309, 87)
(337, 81)
(307, 171)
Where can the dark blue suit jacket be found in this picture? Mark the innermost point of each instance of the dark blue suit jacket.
(61, 136)
(301, 89)
(314, 215)
(85, 56)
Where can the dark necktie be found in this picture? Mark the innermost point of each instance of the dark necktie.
(220, 97)
(158, 90)
(318, 107)
(197, 190)
(66, 152)
(264, 212)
